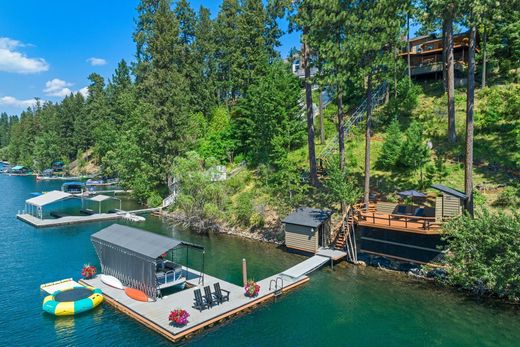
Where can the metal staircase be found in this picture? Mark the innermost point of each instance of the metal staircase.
(378, 98)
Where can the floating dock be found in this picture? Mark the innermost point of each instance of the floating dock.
(154, 315)
(46, 223)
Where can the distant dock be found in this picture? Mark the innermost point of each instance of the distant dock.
(154, 315)
(67, 220)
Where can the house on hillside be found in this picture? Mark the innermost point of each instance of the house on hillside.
(426, 56)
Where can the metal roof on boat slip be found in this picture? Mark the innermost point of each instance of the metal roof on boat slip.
(48, 198)
(135, 240)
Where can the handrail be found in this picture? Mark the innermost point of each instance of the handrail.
(428, 222)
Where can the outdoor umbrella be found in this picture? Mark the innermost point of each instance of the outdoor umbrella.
(412, 194)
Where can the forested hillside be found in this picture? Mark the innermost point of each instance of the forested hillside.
(212, 89)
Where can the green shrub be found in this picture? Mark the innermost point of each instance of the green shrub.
(508, 197)
(154, 200)
(243, 208)
(484, 253)
(257, 220)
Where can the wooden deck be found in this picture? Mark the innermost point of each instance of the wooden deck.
(46, 223)
(418, 225)
(154, 315)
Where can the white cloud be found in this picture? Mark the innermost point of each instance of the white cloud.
(96, 61)
(12, 60)
(60, 88)
(83, 91)
(57, 87)
(14, 102)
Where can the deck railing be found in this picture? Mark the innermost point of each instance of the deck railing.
(395, 220)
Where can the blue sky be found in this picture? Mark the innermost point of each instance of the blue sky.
(46, 47)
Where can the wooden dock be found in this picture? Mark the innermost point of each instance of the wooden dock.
(67, 220)
(154, 315)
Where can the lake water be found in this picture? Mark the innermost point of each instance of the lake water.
(349, 306)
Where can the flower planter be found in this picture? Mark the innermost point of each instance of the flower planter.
(251, 289)
(88, 271)
(178, 317)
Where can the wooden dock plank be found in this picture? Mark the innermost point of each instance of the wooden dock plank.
(155, 314)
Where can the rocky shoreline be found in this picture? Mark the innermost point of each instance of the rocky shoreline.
(270, 234)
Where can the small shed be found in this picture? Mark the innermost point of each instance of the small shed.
(307, 229)
(450, 204)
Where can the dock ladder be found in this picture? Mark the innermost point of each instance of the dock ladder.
(277, 290)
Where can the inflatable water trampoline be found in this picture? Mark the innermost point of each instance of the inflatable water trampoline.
(71, 301)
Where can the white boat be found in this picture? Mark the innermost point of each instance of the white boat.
(111, 281)
(134, 217)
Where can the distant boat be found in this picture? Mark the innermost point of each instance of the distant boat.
(57, 178)
(102, 182)
(73, 187)
(133, 217)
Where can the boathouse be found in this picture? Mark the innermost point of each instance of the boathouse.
(307, 229)
(138, 258)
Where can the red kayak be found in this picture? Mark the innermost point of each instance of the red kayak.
(136, 294)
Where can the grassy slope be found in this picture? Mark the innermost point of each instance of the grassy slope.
(493, 160)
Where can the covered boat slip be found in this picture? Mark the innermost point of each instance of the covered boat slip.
(137, 258)
(38, 208)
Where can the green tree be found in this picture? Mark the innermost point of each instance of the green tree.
(267, 119)
(484, 253)
(414, 152)
(391, 153)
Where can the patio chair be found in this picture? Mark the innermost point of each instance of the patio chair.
(200, 304)
(208, 295)
(221, 294)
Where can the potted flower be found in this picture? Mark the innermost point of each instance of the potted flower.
(179, 317)
(252, 289)
(88, 271)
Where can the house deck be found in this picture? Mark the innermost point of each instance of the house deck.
(154, 315)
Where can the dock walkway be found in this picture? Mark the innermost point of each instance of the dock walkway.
(154, 315)
(45, 223)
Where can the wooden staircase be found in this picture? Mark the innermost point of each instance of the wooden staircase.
(343, 236)
(346, 238)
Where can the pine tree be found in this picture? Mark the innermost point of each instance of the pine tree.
(391, 153)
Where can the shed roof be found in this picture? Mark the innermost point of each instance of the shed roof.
(450, 191)
(18, 167)
(135, 240)
(306, 216)
(48, 198)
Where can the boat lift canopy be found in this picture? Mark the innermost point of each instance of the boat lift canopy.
(100, 198)
(132, 255)
(37, 203)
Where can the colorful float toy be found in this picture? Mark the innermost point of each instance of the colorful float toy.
(71, 301)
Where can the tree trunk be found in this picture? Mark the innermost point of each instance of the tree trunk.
(484, 57)
(444, 50)
(452, 135)
(322, 129)
(408, 46)
(341, 131)
(396, 56)
(468, 167)
(310, 119)
(367, 141)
